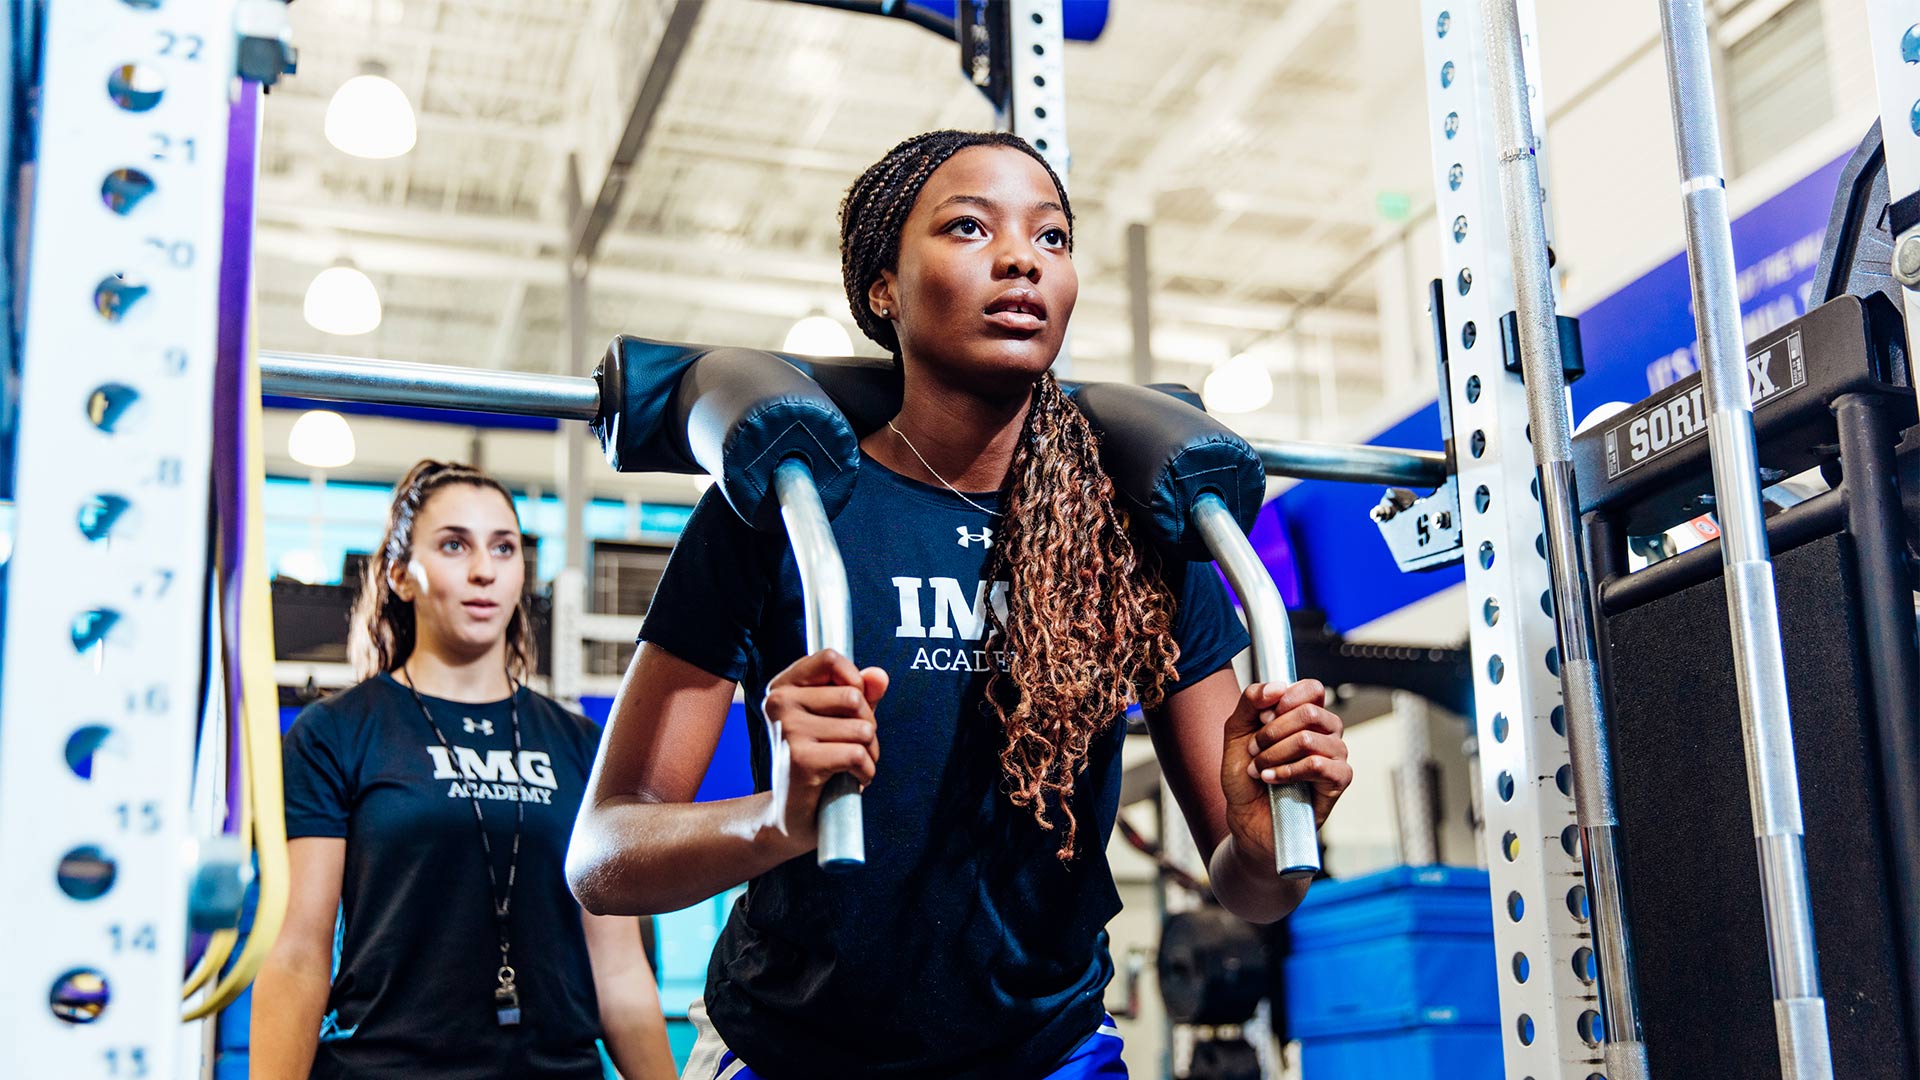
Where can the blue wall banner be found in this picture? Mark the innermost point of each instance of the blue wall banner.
(1636, 341)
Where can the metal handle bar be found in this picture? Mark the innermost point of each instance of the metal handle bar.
(1296, 843)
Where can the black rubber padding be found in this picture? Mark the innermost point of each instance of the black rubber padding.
(1689, 857)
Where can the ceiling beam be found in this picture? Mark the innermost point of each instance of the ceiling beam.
(1258, 61)
(609, 182)
(294, 121)
(729, 279)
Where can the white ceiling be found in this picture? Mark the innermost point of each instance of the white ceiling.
(1237, 126)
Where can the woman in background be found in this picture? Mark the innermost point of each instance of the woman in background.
(430, 806)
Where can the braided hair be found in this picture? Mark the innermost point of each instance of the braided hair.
(1089, 626)
(383, 631)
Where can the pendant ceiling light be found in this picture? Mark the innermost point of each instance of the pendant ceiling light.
(342, 300)
(370, 116)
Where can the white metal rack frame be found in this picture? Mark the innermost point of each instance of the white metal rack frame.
(1544, 946)
(1893, 31)
(108, 579)
(1037, 96)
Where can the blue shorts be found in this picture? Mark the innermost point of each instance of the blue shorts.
(1096, 1058)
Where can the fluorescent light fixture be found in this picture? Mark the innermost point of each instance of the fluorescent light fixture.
(370, 116)
(321, 439)
(818, 335)
(342, 300)
(1240, 385)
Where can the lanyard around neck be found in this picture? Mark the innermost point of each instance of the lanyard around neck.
(500, 902)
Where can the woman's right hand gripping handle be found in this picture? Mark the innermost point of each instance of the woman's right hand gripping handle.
(642, 844)
(821, 710)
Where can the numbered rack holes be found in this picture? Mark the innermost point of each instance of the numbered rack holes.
(117, 294)
(1590, 1028)
(1500, 727)
(1504, 785)
(1577, 902)
(90, 629)
(1558, 717)
(1546, 601)
(1460, 229)
(86, 873)
(1477, 443)
(1563, 779)
(1524, 1028)
(1446, 75)
(79, 996)
(1452, 125)
(1455, 174)
(124, 189)
(110, 404)
(1540, 544)
(1570, 841)
(1521, 967)
(1482, 498)
(1443, 24)
(1038, 18)
(1583, 966)
(1039, 113)
(1510, 847)
(1473, 381)
(1486, 554)
(1464, 281)
(1533, 488)
(136, 87)
(1910, 44)
(1039, 80)
(1490, 611)
(1553, 662)
(101, 516)
(84, 747)
(1516, 907)
(1496, 669)
(1039, 49)
(1469, 334)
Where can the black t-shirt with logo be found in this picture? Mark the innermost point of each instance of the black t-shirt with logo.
(419, 956)
(964, 947)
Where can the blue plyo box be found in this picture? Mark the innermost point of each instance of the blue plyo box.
(1469, 1052)
(1394, 975)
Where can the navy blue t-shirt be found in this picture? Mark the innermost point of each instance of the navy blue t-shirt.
(420, 954)
(964, 947)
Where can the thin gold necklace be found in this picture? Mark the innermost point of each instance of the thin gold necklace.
(936, 475)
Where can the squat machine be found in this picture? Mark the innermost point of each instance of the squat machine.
(143, 158)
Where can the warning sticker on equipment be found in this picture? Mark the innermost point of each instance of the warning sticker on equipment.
(1656, 429)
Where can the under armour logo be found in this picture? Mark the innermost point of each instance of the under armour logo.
(967, 539)
(484, 727)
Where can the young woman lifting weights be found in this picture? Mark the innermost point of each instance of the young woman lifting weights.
(1009, 617)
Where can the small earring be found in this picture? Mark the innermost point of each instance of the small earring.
(886, 313)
